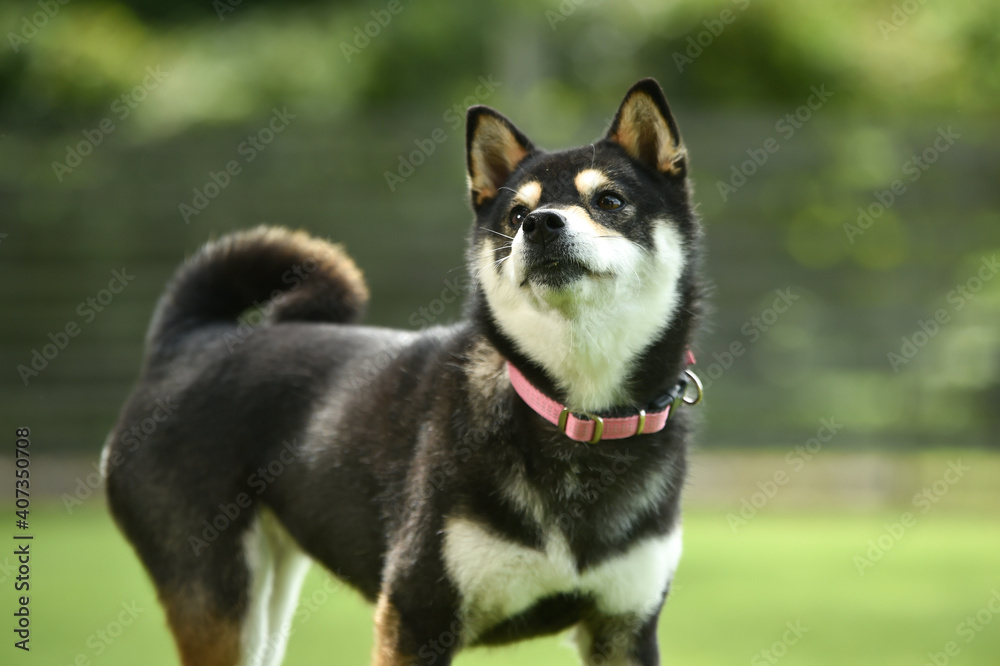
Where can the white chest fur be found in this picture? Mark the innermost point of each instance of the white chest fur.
(498, 579)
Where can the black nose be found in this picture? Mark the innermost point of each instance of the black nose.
(543, 227)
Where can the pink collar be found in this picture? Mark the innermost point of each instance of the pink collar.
(594, 428)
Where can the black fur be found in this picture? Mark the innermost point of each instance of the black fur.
(362, 441)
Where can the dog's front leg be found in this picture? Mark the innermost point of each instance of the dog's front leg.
(413, 637)
(618, 640)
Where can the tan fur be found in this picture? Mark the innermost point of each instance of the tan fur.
(579, 213)
(589, 181)
(203, 637)
(487, 378)
(641, 128)
(529, 194)
(494, 154)
(331, 258)
(385, 651)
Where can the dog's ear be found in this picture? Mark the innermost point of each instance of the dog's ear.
(494, 148)
(646, 129)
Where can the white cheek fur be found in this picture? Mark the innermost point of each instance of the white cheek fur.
(589, 335)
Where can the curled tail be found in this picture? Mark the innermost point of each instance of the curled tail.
(289, 274)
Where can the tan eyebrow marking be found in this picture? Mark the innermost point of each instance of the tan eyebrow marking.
(530, 193)
(589, 181)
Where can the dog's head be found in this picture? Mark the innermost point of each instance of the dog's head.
(580, 254)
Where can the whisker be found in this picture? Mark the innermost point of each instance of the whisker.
(593, 161)
(497, 233)
(498, 262)
(688, 311)
(493, 265)
(509, 189)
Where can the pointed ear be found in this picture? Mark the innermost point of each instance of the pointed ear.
(645, 128)
(494, 148)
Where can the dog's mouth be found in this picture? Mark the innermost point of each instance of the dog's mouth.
(555, 272)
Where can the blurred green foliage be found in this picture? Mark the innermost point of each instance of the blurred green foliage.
(870, 266)
(229, 59)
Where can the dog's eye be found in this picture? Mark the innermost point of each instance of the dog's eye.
(609, 201)
(517, 215)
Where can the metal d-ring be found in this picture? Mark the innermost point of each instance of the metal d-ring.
(697, 383)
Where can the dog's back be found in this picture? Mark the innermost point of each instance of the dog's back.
(207, 431)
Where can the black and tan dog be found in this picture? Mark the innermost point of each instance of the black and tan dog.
(513, 475)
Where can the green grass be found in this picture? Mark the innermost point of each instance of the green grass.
(731, 598)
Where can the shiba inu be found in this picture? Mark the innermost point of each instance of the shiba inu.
(515, 474)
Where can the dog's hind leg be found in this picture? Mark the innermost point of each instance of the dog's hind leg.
(202, 579)
(203, 639)
(236, 604)
(207, 633)
(278, 574)
(260, 559)
(208, 577)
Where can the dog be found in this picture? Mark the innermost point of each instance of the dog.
(512, 475)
